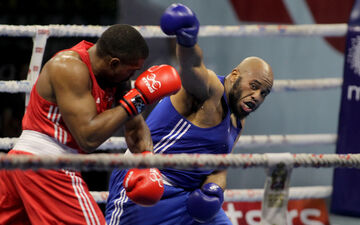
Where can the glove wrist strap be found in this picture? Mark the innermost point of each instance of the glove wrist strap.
(133, 102)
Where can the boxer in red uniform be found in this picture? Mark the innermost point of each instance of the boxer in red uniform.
(71, 110)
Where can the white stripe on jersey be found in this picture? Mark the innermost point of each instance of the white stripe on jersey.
(177, 138)
(54, 114)
(50, 111)
(58, 118)
(55, 131)
(59, 133)
(65, 137)
(162, 139)
(166, 140)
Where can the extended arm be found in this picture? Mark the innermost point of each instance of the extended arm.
(195, 77)
(197, 81)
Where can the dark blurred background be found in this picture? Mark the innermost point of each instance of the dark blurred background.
(16, 52)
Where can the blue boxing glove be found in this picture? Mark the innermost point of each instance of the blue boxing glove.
(181, 21)
(203, 204)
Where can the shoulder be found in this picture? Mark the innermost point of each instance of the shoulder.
(216, 88)
(67, 61)
(67, 67)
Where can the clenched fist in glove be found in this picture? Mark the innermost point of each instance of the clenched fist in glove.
(204, 203)
(151, 86)
(181, 21)
(144, 186)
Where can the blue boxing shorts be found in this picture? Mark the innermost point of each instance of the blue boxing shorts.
(170, 210)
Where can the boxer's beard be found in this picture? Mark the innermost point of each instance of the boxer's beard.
(234, 98)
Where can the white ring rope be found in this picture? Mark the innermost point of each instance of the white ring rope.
(254, 195)
(307, 84)
(15, 86)
(293, 140)
(308, 30)
(279, 85)
(103, 162)
(245, 141)
(250, 195)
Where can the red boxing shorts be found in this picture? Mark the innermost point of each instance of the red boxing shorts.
(46, 197)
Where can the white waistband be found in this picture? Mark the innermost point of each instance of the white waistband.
(41, 144)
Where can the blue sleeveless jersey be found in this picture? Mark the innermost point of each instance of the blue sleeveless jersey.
(173, 134)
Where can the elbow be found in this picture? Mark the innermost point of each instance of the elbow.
(88, 146)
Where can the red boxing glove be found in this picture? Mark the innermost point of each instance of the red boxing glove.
(151, 86)
(158, 82)
(145, 187)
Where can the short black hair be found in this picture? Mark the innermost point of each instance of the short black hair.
(122, 41)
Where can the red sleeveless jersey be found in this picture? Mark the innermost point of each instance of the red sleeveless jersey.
(44, 116)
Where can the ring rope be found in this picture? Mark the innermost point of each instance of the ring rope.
(250, 195)
(279, 85)
(180, 161)
(315, 30)
(245, 141)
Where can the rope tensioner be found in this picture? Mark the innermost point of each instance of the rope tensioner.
(180, 161)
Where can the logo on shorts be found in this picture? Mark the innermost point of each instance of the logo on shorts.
(353, 56)
(151, 83)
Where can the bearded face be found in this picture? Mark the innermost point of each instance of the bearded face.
(235, 96)
(254, 80)
(247, 94)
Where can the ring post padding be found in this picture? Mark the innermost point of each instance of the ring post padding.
(41, 36)
(276, 190)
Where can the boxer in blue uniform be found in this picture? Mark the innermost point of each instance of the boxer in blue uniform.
(206, 117)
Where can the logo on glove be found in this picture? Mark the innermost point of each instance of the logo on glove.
(155, 85)
(156, 177)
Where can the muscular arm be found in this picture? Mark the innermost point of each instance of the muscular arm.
(71, 85)
(137, 135)
(197, 80)
(194, 75)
